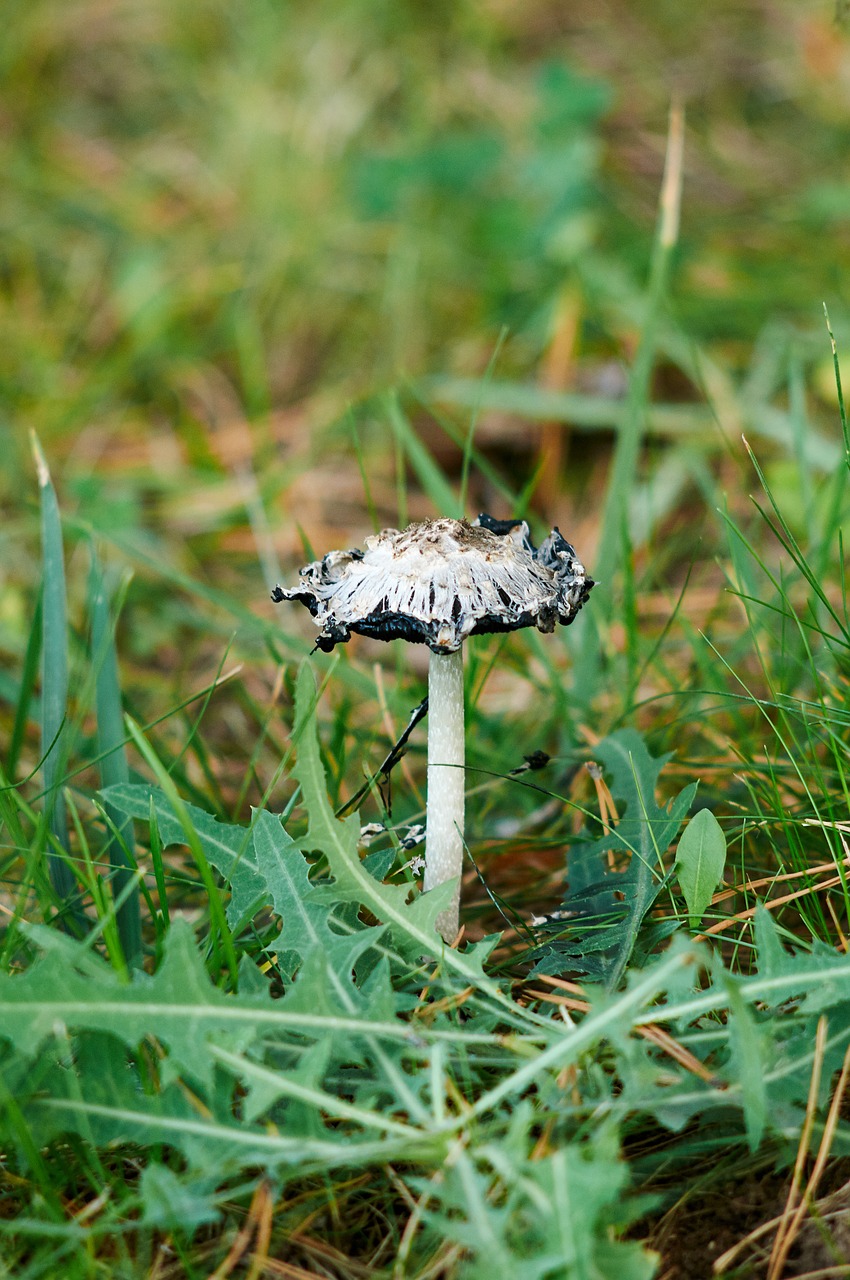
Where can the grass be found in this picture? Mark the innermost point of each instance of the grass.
(262, 293)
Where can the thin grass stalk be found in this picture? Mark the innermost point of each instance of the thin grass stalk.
(114, 770)
(629, 439)
(842, 412)
(163, 921)
(438, 489)
(105, 923)
(780, 1255)
(54, 678)
(624, 465)
(469, 442)
(802, 1148)
(29, 679)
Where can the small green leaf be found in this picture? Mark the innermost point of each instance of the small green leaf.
(700, 859)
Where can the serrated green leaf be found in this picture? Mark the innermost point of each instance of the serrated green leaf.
(228, 1145)
(818, 979)
(328, 955)
(69, 986)
(700, 860)
(177, 1203)
(178, 1005)
(269, 1085)
(228, 848)
(611, 906)
(749, 1062)
(819, 975)
(525, 1218)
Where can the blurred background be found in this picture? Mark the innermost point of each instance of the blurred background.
(263, 266)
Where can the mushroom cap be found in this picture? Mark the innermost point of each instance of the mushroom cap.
(440, 581)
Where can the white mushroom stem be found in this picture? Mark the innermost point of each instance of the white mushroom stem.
(444, 823)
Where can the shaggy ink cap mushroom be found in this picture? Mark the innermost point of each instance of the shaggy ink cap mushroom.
(437, 583)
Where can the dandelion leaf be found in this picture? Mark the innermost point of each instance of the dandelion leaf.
(606, 907)
(227, 847)
(306, 916)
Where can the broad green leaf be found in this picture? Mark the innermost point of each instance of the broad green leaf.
(69, 986)
(700, 860)
(179, 1005)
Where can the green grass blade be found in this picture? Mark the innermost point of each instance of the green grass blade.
(438, 489)
(839, 389)
(29, 677)
(164, 919)
(473, 422)
(626, 453)
(364, 475)
(54, 675)
(113, 760)
(624, 465)
(463, 440)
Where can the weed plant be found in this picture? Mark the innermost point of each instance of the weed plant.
(254, 282)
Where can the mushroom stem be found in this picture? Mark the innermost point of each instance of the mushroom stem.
(444, 823)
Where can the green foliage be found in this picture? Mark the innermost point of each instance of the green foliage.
(226, 847)
(114, 770)
(344, 1067)
(524, 206)
(700, 859)
(55, 729)
(553, 1216)
(610, 905)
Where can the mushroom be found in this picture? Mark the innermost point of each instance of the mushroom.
(436, 583)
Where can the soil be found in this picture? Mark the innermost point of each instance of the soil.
(695, 1232)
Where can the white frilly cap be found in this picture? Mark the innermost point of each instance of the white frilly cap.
(440, 581)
